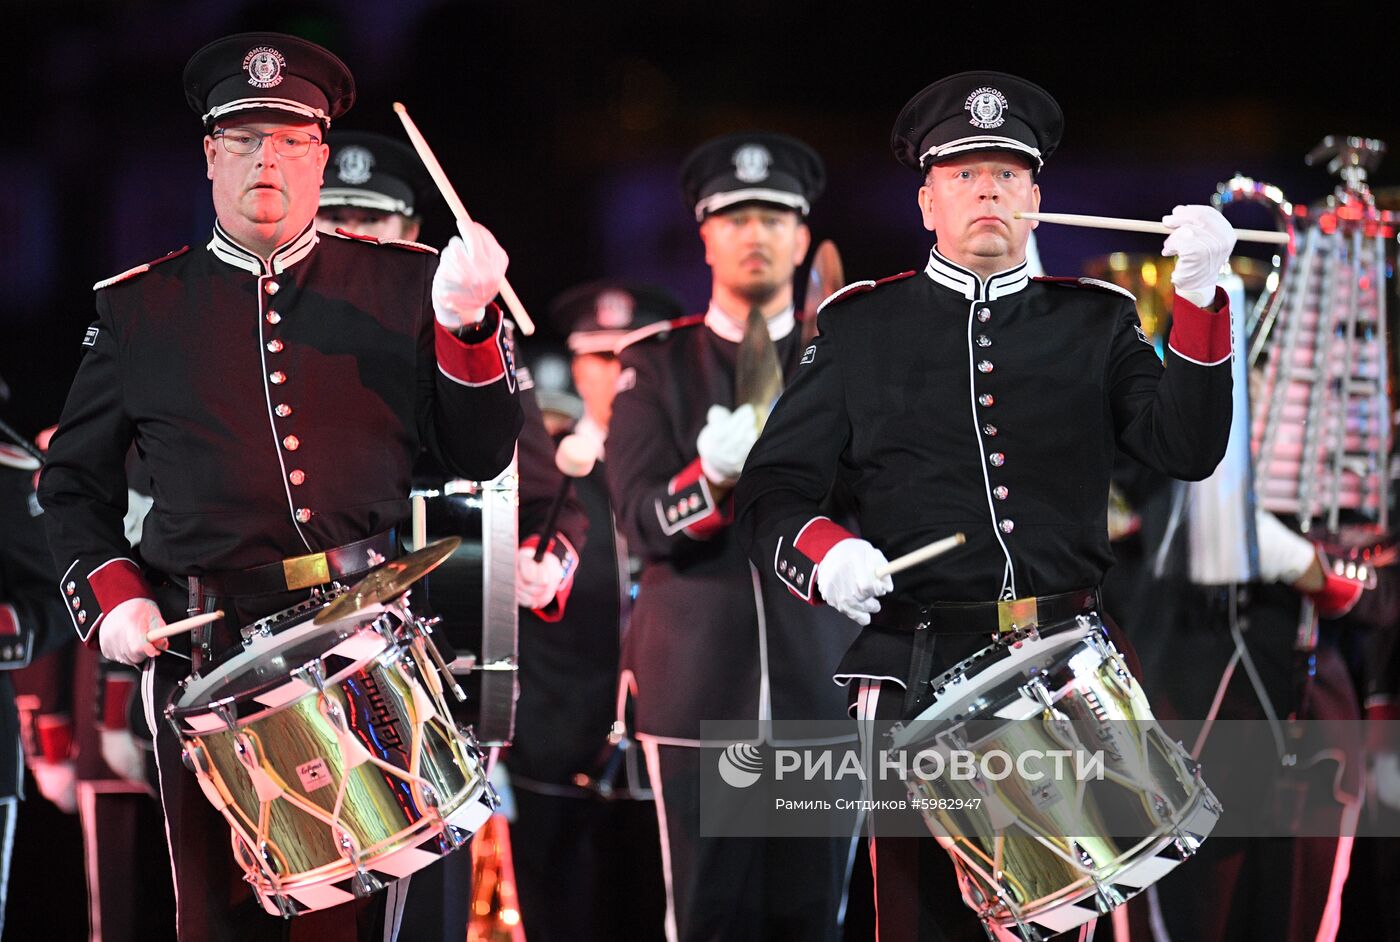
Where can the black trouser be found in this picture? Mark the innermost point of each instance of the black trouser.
(586, 869)
(916, 889)
(740, 889)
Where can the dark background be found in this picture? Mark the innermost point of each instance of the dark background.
(562, 126)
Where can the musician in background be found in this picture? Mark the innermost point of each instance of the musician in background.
(587, 860)
(32, 623)
(711, 637)
(970, 397)
(279, 389)
(89, 749)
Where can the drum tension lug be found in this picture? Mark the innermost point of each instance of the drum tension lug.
(365, 884)
(284, 905)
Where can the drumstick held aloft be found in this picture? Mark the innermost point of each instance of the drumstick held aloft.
(936, 548)
(459, 211)
(1144, 225)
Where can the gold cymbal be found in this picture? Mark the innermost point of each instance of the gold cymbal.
(390, 580)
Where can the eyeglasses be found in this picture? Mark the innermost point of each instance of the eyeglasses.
(244, 141)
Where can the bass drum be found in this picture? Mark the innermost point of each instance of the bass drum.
(473, 592)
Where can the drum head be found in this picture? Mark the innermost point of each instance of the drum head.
(266, 663)
(994, 665)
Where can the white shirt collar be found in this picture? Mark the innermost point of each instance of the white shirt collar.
(779, 325)
(969, 284)
(283, 257)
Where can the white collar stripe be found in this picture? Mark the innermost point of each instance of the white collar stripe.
(726, 328)
(283, 257)
(969, 285)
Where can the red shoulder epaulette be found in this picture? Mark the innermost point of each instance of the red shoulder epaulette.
(397, 243)
(861, 287)
(659, 329)
(1087, 283)
(140, 269)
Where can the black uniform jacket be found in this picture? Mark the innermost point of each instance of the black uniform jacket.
(568, 663)
(947, 404)
(711, 637)
(277, 404)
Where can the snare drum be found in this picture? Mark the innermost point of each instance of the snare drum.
(330, 751)
(1044, 852)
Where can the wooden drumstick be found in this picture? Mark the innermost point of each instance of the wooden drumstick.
(1142, 225)
(459, 211)
(936, 548)
(183, 625)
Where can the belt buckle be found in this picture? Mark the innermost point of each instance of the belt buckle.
(303, 572)
(1017, 615)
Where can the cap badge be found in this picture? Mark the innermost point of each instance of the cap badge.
(354, 165)
(264, 66)
(751, 163)
(987, 106)
(613, 310)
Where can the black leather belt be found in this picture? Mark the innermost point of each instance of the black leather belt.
(988, 618)
(303, 572)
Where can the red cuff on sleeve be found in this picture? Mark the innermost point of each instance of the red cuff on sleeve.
(819, 535)
(564, 551)
(690, 507)
(1199, 335)
(116, 581)
(476, 362)
(115, 699)
(1337, 596)
(55, 735)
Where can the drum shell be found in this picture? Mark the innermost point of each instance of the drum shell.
(1032, 849)
(326, 800)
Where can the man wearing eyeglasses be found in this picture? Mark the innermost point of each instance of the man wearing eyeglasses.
(279, 386)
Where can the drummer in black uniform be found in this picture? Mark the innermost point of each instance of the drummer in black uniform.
(970, 397)
(587, 861)
(711, 637)
(278, 385)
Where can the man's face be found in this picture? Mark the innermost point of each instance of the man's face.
(595, 378)
(265, 197)
(371, 222)
(753, 250)
(970, 201)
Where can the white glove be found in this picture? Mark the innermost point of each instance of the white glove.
(1385, 778)
(1284, 556)
(57, 782)
(536, 582)
(847, 581)
(1201, 240)
(469, 275)
(124, 755)
(122, 636)
(725, 441)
